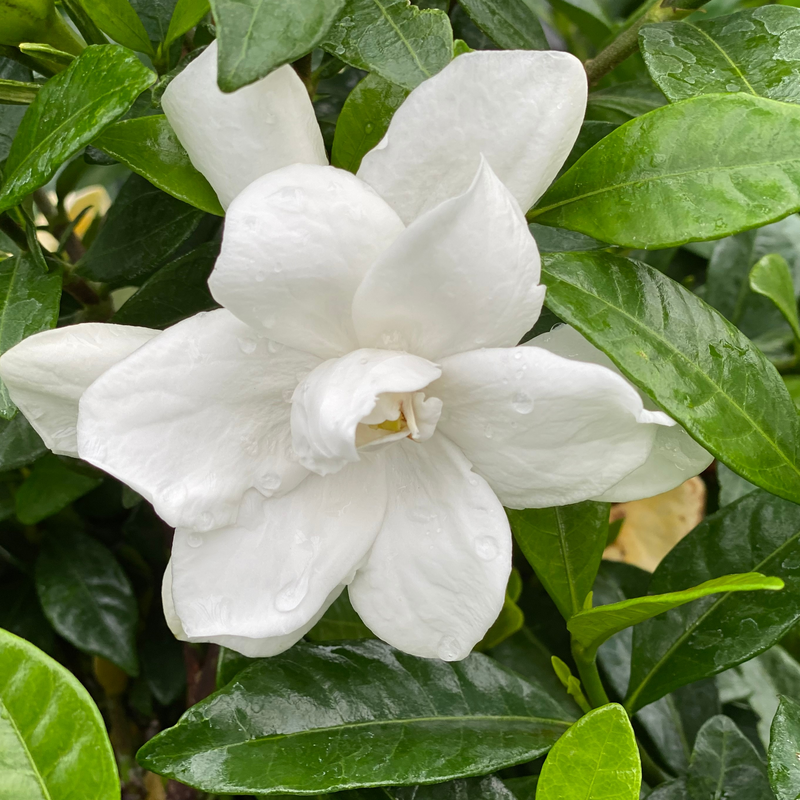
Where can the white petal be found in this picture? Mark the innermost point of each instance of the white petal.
(436, 577)
(195, 418)
(462, 276)
(253, 648)
(329, 404)
(238, 137)
(297, 243)
(675, 456)
(543, 430)
(270, 573)
(47, 373)
(520, 109)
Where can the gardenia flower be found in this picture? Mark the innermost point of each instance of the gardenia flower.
(358, 413)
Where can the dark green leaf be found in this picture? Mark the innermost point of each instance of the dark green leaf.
(595, 759)
(731, 485)
(624, 101)
(756, 51)
(512, 24)
(257, 36)
(760, 533)
(144, 227)
(11, 116)
(564, 546)
(560, 240)
(771, 278)
(672, 790)
(18, 92)
(486, 788)
(697, 366)
(87, 597)
(19, 443)
(161, 656)
(186, 15)
(52, 736)
(149, 147)
(642, 185)
(510, 621)
(324, 718)
(400, 42)
(590, 134)
(784, 745)
(155, 16)
(523, 788)
(118, 19)
(589, 16)
(340, 621)
(69, 111)
(21, 614)
(364, 119)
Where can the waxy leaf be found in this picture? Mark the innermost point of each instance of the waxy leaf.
(595, 759)
(11, 116)
(324, 718)
(19, 443)
(52, 737)
(340, 621)
(624, 101)
(760, 533)
(564, 546)
(185, 16)
(398, 41)
(697, 366)
(69, 111)
(591, 628)
(87, 597)
(756, 51)
(771, 277)
(784, 745)
(118, 19)
(641, 186)
(257, 36)
(512, 24)
(149, 147)
(485, 788)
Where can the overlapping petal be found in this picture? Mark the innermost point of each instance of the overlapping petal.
(436, 577)
(462, 276)
(544, 430)
(196, 418)
(674, 457)
(269, 574)
(238, 137)
(297, 244)
(521, 109)
(47, 373)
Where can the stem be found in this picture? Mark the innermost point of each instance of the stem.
(590, 678)
(651, 772)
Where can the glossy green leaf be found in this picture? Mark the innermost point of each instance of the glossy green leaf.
(155, 16)
(595, 759)
(87, 597)
(161, 656)
(149, 147)
(324, 718)
(671, 790)
(69, 111)
(50, 487)
(118, 19)
(624, 101)
(21, 614)
(11, 116)
(642, 185)
(52, 737)
(756, 51)
(56, 60)
(19, 443)
(512, 24)
(771, 278)
(697, 366)
(364, 119)
(589, 16)
(758, 533)
(143, 228)
(725, 764)
(523, 788)
(488, 787)
(186, 15)
(393, 38)
(18, 92)
(793, 387)
(257, 36)
(340, 621)
(591, 628)
(29, 301)
(784, 745)
(564, 546)
(510, 620)
(731, 485)
(230, 664)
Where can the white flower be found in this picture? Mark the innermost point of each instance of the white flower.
(358, 413)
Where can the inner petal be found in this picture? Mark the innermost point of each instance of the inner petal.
(399, 415)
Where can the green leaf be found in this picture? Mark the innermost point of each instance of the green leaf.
(364, 119)
(29, 301)
(155, 16)
(512, 24)
(697, 366)
(230, 664)
(784, 745)
(400, 42)
(257, 36)
(161, 654)
(595, 759)
(69, 111)
(54, 59)
(756, 51)
(624, 101)
(488, 787)
(177, 291)
(51, 487)
(771, 277)
(118, 19)
(340, 621)
(589, 16)
(725, 764)
(510, 620)
(671, 790)
(149, 147)
(731, 485)
(11, 116)
(355, 715)
(21, 614)
(591, 628)
(186, 15)
(793, 387)
(564, 546)
(143, 228)
(52, 736)
(18, 92)
(19, 443)
(641, 186)
(758, 533)
(87, 597)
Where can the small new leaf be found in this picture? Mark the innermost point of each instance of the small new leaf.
(772, 278)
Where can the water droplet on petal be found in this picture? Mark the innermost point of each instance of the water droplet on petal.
(522, 403)
(287, 395)
(293, 593)
(449, 649)
(486, 548)
(247, 346)
(194, 539)
(517, 355)
(488, 432)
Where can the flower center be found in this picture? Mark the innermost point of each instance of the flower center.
(398, 415)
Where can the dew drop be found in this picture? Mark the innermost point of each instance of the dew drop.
(273, 347)
(268, 481)
(486, 548)
(522, 403)
(449, 648)
(268, 321)
(260, 276)
(194, 540)
(517, 355)
(287, 395)
(247, 346)
(488, 432)
(293, 593)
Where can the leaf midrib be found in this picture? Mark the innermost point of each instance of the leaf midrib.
(725, 55)
(39, 779)
(402, 38)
